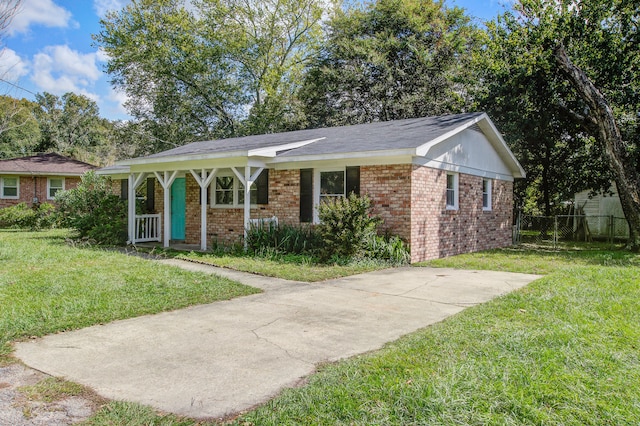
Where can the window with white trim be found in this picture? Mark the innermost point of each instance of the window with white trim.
(332, 185)
(228, 191)
(53, 186)
(452, 191)
(486, 194)
(10, 187)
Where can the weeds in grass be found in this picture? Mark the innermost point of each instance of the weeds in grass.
(52, 389)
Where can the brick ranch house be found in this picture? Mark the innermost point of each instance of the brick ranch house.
(37, 178)
(444, 184)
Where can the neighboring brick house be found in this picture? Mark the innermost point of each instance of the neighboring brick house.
(443, 184)
(37, 178)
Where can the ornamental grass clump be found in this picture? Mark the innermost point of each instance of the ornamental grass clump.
(282, 239)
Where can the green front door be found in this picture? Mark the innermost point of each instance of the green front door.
(178, 209)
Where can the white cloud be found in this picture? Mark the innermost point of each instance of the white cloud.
(12, 66)
(103, 6)
(119, 98)
(39, 12)
(59, 69)
(102, 56)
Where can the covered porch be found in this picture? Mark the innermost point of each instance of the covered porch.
(168, 225)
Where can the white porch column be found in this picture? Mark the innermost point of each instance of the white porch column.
(166, 180)
(247, 180)
(133, 183)
(204, 179)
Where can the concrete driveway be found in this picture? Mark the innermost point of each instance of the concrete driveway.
(215, 360)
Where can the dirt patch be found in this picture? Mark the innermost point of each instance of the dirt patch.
(17, 409)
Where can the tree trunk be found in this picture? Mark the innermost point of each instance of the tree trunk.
(608, 134)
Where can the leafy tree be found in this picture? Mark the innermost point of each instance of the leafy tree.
(19, 130)
(72, 125)
(392, 59)
(523, 95)
(591, 48)
(215, 68)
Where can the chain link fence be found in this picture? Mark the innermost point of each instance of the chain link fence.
(550, 230)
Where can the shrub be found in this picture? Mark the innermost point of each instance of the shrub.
(21, 216)
(94, 210)
(346, 224)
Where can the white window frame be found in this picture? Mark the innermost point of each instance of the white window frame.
(49, 187)
(454, 190)
(3, 185)
(317, 187)
(486, 194)
(237, 187)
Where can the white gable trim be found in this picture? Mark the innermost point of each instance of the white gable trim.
(493, 136)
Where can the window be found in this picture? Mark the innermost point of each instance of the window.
(224, 191)
(486, 194)
(229, 191)
(331, 185)
(53, 186)
(253, 194)
(452, 191)
(10, 187)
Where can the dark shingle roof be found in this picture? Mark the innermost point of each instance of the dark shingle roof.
(41, 164)
(378, 136)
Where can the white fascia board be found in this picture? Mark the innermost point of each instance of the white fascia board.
(491, 133)
(200, 163)
(122, 170)
(182, 158)
(450, 167)
(501, 146)
(356, 158)
(423, 149)
(272, 151)
(346, 162)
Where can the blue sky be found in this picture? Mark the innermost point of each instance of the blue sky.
(48, 48)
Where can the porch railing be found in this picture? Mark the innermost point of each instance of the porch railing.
(148, 228)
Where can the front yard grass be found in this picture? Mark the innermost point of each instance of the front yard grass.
(562, 351)
(565, 350)
(47, 286)
(288, 267)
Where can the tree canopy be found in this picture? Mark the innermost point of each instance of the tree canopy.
(392, 59)
(211, 68)
(572, 71)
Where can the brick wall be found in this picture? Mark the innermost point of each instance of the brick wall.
(438, 232)
(389, 187)
(226, 225)
(36, 186)
(410, 200)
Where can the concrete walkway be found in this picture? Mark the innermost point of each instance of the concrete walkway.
(215, 360)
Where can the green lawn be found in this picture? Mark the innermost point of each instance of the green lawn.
(291, 267)
(47, 285)
(565, 350)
